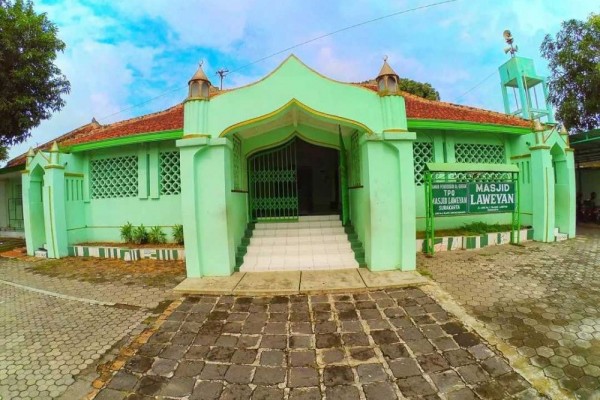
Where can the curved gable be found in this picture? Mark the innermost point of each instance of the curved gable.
(294, 81)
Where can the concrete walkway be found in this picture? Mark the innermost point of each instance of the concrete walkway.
(297, 282)
(538, 302)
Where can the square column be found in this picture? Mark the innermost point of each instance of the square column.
(391, 236)
(55, 219)
(204, 193)
(542, 185)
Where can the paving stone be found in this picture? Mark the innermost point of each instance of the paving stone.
(311, 393)
(342, 393)
(207, 390)
(272, 358)
(189, 368)
(362, 353)
(379, 391)
(496, 366)
(432, 362)
(415, 386)
(163, 367)
(239, 374)
(337, 375)
(303, 377)
(214, 371)
(404, 367)
(123, 381)
(473, 374)
(269, 375)
(178, 387)
(328, 340)
(371, 373)
(447, 381)
(267, 393)
(234, 392)
(110, 394)
(303, 358)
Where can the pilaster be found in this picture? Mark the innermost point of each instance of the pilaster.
(542, 181)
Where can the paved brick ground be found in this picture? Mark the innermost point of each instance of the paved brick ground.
(376, 345)
(113, 292)
(544, 299)
(46, 341)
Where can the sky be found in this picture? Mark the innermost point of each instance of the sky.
(128, 58)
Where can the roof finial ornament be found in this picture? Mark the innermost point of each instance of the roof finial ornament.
(385, 58)
(387, 79)
(201, 63)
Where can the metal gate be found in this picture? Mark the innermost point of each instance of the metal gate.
(273, 183)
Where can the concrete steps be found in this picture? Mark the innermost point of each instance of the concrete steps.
(311, 243)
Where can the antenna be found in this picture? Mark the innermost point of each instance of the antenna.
(222, 73)
(509, 40)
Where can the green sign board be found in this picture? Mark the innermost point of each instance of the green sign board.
(473, 197)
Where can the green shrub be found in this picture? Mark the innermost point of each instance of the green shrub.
(140, 235)
(127, 232)
(156, 235)
(178, 234)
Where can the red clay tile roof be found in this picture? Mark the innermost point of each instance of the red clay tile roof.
(172, 118)
(420, 108)
(166, 120)
(169, 119)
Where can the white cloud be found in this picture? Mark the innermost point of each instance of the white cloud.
(122, 53)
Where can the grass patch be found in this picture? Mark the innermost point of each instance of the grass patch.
(154, 273)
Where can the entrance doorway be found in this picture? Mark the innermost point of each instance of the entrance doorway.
(292, 180)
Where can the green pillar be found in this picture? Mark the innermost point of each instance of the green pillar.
(572, 212)
(54, 211)
(204, 193)
(403, 143)
(542, 182)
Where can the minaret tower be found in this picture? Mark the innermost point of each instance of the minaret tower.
(518, 77)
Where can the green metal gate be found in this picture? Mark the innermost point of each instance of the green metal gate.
(273, 183)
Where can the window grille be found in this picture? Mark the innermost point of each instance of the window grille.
(114, 177)
(479, 153)
(170, 173)
(422, 154)
(354, 160)
(237, 163)
(482, 154)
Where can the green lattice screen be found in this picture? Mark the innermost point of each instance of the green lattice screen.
(114, 177)
(422, 154)
(237, 163)
(170, 173)
(481, 153)
(354, 161)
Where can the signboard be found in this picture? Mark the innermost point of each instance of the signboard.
(473, 197)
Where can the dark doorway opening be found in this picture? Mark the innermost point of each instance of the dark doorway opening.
(318, 179)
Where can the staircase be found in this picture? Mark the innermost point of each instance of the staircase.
(311, 243)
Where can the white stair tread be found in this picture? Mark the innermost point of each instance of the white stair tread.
(313, 242)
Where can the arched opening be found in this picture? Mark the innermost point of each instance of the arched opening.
(294, 179)
(561, 189)
(36, 208)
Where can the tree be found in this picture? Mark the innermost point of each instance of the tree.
(424, 90)
(574, 83)
(31, 84)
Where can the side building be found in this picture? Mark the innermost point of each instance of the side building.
(339, 166)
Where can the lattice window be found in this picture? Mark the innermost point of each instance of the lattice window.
(483, 154)
(237, 163)
(422, 154)
(479, 153)
(114, 177)
(354, 160)
(170, 173)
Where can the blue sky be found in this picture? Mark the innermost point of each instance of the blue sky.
(123, 53)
